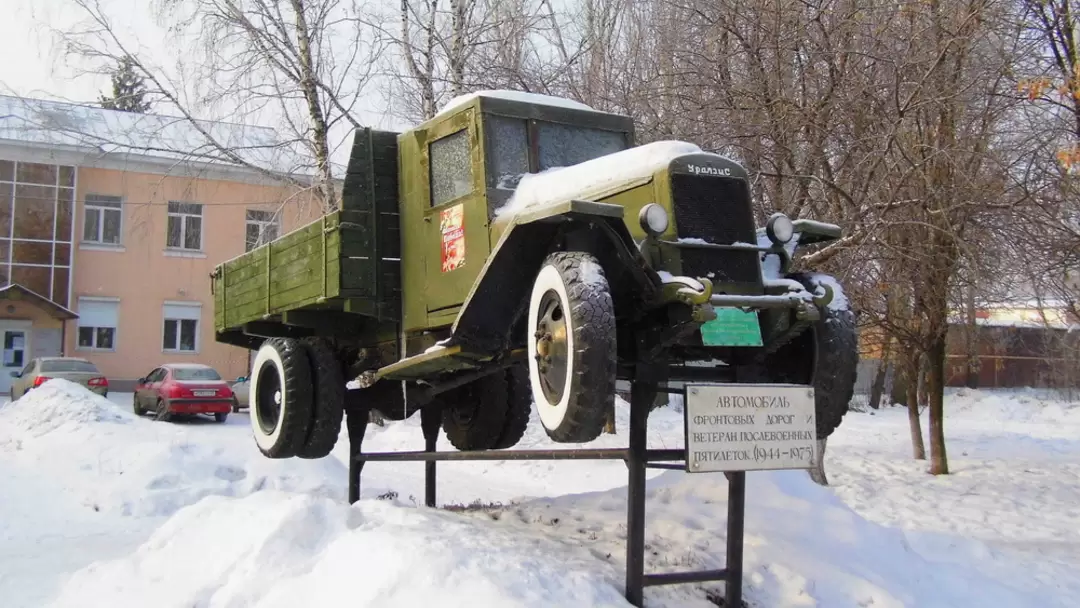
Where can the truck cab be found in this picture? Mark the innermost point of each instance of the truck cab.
(461, 167)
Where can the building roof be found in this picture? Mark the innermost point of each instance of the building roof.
(53, 308)
(98, 132)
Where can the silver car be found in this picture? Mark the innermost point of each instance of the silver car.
(72, 369)
(240, 390)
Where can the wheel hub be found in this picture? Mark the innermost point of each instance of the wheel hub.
(552, 347)
(268, 399)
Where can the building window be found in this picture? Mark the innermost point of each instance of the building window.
(97, 323)
(102, 217)
(185, 226)
(181, 327)
(36, 203)
(262, 227)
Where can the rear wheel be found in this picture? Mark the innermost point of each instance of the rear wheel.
(475, 414)
(281, 397)
(519, 407)
(221, 416)
(571, 346)
(328, 400)
(139, 411)
(161, 411)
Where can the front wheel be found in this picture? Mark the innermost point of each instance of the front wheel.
(825, 355)
(571, 347)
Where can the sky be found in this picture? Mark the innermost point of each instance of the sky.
(42, 70)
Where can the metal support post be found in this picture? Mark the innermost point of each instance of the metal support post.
(642, 394)
(356, 422)
(430, 417)
(736, 511)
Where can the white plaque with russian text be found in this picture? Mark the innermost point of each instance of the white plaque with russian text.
(749, 427)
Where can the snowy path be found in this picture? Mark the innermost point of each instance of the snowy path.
(91, 483)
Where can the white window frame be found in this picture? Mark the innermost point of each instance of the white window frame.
(101, 204)
(262, 225)
(115, 326)
(177, 312)
(181, 216)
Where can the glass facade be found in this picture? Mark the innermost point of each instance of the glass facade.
(36, 209)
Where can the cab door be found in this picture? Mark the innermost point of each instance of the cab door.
(456, 218)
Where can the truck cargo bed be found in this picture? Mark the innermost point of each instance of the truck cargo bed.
(348, 260)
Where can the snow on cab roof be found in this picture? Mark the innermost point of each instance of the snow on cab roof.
(521, 96)
(593, 177)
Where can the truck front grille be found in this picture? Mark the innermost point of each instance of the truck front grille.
(716, 210)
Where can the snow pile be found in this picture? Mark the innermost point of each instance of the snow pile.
(1013, 406)
(276, 549)
(110, 460)
(593, 177)
(59, 403)
(534, 98)
(803, 547)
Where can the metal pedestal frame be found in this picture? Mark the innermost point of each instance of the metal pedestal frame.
(637, 459)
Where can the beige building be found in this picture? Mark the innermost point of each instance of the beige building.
(108, 238)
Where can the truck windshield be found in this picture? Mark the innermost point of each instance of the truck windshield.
(557, 145)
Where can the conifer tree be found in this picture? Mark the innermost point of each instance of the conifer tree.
(128, 90)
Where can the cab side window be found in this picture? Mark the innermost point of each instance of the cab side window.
(451, 167)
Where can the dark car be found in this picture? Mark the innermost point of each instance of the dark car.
(183, 388)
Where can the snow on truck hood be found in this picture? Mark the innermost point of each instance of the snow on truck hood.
(592, 177)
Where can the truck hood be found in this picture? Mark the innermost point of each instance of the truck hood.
(594, 178)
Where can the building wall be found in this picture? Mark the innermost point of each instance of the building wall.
(142, 277)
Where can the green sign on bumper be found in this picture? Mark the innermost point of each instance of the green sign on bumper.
(732, 327)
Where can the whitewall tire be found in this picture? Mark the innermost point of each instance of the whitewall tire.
(280, 398)
(571, 347)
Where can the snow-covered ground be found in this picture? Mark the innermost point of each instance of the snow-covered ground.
(100, 508)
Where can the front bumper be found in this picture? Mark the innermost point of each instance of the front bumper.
(200, 405)
(779, 293)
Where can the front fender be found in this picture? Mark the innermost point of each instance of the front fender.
(500, 292)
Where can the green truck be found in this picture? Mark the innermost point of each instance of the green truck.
(519, 249)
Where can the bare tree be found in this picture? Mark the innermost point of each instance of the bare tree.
(302, 64)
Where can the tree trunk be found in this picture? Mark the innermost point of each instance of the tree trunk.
(817, 472)
(899, 392)
(971, 342)
(878, 386)
(912, 400)
(923, 367)
(939, 464)
(457, 46)
(319, 130)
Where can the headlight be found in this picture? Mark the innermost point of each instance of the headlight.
(654, 219)
(780, 228)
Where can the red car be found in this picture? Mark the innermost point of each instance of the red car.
(183, 388)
